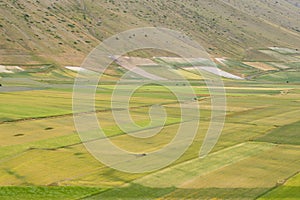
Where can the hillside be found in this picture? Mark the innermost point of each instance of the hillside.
(149, 124)
(64, 31)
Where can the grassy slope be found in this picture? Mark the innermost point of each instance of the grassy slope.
(65, 31)
(283, 77)
(284, 11)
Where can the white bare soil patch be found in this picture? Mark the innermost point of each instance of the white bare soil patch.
(132, 64)
(135, 61)
(10, 69)
(201, 64)
(75, 69)
(82, 70)
(283, 50)
(215, 71)
(180, 60)
(221, 60)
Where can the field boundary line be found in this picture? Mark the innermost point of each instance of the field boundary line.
(97, 111)
(278, 184)
(184, 163)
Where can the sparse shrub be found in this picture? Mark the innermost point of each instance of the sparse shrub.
(71, 25)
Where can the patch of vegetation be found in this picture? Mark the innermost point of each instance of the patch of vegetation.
(288, 134)
(288, 191)
(30, 148)
(47, 193)
(134, 191)
(281, 77)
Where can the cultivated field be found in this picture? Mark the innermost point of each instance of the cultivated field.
(252, 46)
(289, 191)
(261, 66)
(257, 153)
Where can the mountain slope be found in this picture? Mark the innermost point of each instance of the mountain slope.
(64, 31)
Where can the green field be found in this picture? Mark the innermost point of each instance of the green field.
(288, 191)
(286, 134)
(42, 156)
(53, 192)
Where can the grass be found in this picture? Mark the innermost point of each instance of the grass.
(246, 174)
(288, 191)
(58, 101)
(260, 66)
(66, 33)
(42, 157)
(197, 167)
(46, 103)
(280, 57)
(287, 134)
(47, 193)
(234, 66)
(34, 137)
(282, 77)
(134, 191)
(207, 181)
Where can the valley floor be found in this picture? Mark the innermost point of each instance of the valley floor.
(256, 154)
